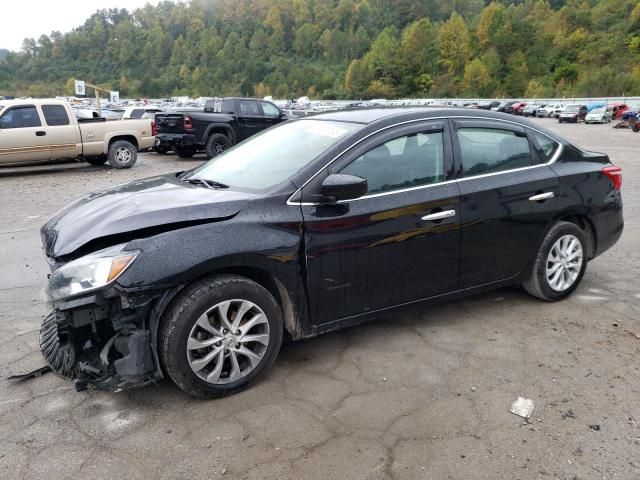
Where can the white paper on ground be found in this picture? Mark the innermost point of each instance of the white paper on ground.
(523, 407)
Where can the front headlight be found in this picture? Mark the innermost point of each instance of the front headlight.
(90, 272)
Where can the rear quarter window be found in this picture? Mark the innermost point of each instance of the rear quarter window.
(545, 146)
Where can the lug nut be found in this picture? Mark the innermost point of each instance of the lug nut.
(237, 332)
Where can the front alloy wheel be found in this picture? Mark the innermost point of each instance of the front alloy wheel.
(228, 341)
(219, 335)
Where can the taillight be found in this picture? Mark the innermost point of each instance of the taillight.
(188, 123)
(154, 128)
(615, 175)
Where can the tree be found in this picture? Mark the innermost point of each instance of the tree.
(382, 59)
(357, 78)
(476, 79)
(454, 45)
(535, 89)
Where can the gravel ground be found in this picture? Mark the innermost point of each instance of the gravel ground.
(424, 394)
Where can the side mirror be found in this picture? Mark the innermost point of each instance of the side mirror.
(338, 187)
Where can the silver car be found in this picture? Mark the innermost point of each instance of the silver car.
(599, 115)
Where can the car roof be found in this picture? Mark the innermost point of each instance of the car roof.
(367, 116)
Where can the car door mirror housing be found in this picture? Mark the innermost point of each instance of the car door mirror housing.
(338, 187)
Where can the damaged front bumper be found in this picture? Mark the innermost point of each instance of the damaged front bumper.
(102, 342)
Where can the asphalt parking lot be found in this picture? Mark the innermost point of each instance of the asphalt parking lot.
(422, 395)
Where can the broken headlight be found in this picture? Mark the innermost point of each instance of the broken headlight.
(90, 272)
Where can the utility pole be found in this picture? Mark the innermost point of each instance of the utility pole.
(97, 91)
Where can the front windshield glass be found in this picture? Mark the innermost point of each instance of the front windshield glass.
(572, 108)
(273, 156)
(598, 110)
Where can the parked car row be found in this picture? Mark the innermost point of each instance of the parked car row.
(572, 112)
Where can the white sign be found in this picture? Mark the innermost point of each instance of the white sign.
(114, 97)
(80, 90)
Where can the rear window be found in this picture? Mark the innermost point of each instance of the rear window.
(55, 115)
(490, 150)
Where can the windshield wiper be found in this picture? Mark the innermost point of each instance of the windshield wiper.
(207, 183)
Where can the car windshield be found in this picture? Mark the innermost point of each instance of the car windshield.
(572, 108)
(271, 157)
(598, 110)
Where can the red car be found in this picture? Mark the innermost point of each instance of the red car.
(618, 109)
(517, 108)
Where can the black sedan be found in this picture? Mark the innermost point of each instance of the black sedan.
(311, 226)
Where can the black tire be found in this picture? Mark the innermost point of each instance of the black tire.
(122, 154)
(161, 149)
(97, 161)
(216, 144)
(185, 152)
(61, 361)
(180, 319)
(537, 284)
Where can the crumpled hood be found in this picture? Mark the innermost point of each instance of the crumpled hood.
(138, 205)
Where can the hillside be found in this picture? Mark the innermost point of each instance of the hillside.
(342, 49)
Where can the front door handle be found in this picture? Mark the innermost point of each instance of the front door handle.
(439, 215)
(40, 133)
(541, 197)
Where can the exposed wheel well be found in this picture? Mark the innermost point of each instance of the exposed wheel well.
(585, 224)
(221, 130)
(128, 138)
(293, 328)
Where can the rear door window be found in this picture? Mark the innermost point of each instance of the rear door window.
(489, 150)
(55, 115)
(249, 107)
(20, 117)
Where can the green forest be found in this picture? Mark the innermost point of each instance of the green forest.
(341, 49)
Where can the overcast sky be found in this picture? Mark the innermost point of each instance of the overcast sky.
(20, 19)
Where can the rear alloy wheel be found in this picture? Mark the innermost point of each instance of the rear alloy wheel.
(220, 335)
(216, 144)
(560, 263)
(122, 154)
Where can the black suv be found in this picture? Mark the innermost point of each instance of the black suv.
(223, 123)
(314, 225)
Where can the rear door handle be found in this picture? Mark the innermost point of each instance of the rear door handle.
(40, 133)
(439, 215)
(540, 197)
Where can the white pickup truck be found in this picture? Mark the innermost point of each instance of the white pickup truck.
(40, 130)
